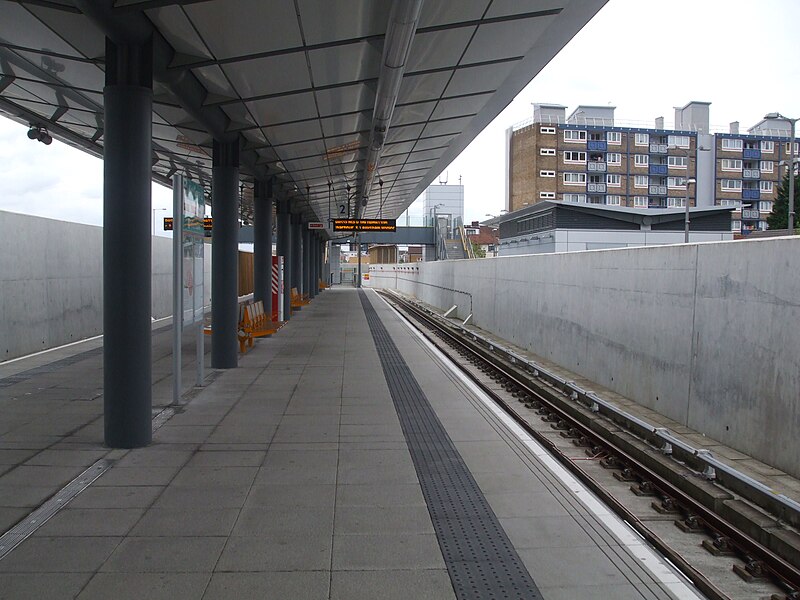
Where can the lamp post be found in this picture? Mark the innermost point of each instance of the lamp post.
(155, 210)
(687, 181)
(435, 231)
(792, 122)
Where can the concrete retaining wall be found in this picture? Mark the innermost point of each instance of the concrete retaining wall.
(707, 334)
(51, 282)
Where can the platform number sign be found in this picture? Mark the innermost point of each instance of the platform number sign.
(343, 209)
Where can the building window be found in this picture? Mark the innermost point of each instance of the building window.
(640, 181)
(574, 156)
(731, 185)
(550, 130)
(730, 144)
(762, 225)
(676, 202)
(736, 225)
(641, 160)
(547, 195)
(731, 164)
(789, 148)
(677, 162)
(547, 151)
(547, 173)
(613, 200)
(642, 139)
(767, 146)
(613, 180)
(614, 158)
(575, 178)
(681, 141)
(765, 206)
(767, 166)
(734, 203)
(573, 135)
(640, 201)
(676, 182)
(614, 137)
(765, 187)
(574, 198)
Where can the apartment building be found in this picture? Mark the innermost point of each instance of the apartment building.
(588, 157)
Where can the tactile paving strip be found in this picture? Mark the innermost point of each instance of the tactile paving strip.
(480, 559)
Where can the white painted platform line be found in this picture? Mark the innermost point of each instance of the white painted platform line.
(154, 323)
(638, 548)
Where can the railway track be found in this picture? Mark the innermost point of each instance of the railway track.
(684, 512)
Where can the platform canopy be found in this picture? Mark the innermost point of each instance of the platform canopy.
(366, 100)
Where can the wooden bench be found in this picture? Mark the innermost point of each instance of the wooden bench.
(299, 301)
(255, 324)
(323, 285)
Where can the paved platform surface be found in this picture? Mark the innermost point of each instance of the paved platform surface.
(289, 477)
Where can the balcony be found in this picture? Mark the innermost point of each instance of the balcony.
(750, 214)
(751, 174)
(751, 153)
(659, 148)
(751, 194)
(658, 190)
(596, 188)
(658, 169)
(599, 167)
(597, 145)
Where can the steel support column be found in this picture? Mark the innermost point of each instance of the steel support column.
(262, 244)
(308, 261)
(127, 161)
(297, 254)
(285, 250)
(317, 253)
(321, 258)
(225, 255)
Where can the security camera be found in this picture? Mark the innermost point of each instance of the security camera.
(38, 132)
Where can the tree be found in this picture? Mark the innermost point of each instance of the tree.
(479, 252)
(779, 217)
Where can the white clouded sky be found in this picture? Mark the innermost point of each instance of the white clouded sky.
(642, 56)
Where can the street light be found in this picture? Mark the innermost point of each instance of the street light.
(436, 231)
(779, 117)
(687, 181)
(154, 218)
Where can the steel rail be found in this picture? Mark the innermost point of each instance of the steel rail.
(781, 570)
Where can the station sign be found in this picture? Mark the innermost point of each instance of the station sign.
(169, 225)
(365, 225)
(316, 225)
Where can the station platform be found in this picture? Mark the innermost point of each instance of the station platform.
(343, 459)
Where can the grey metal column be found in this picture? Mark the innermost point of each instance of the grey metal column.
(285, 250)
(262, 244)
(225, 255)
(308, 273)
(320, 257)
(297, 254)
(317, 272)
(127, 161)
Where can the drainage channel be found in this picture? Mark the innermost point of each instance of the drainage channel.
(30, 524)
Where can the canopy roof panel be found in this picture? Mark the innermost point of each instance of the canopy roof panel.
(294, 80)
